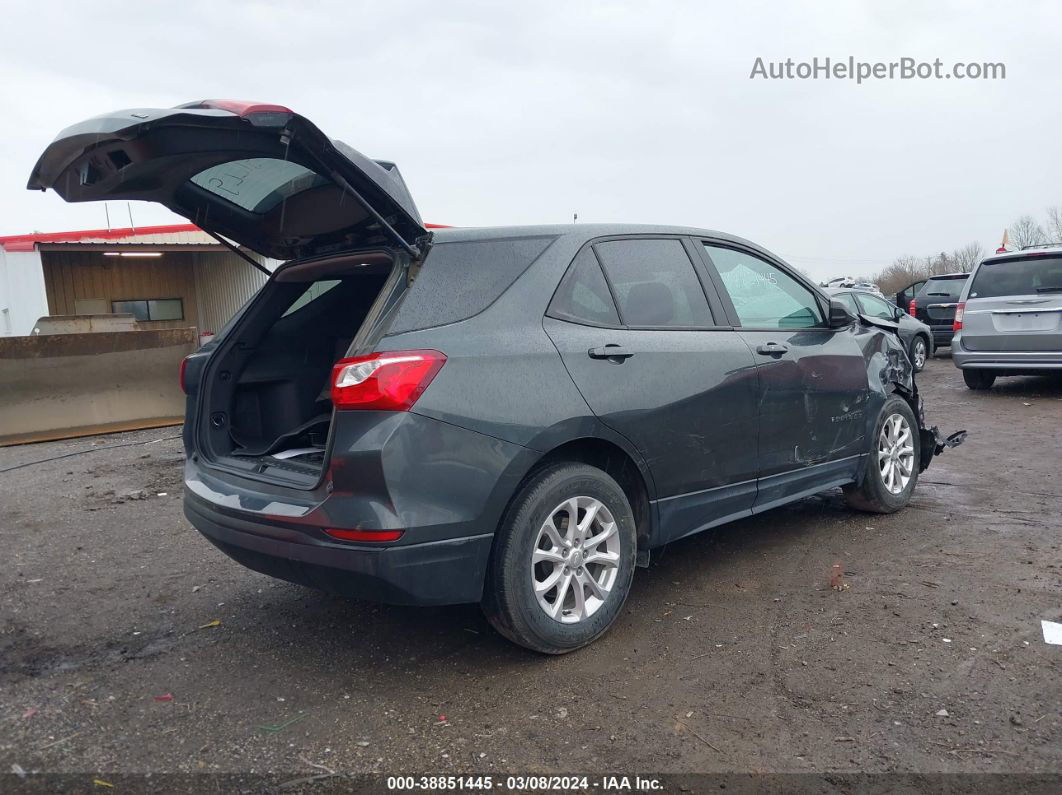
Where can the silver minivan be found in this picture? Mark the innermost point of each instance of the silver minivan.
(1009, 317)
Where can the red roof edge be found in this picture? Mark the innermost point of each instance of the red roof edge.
(30, 241)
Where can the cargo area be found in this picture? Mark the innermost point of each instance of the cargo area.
(266, 407)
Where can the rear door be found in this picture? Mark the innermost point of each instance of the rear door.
(1015, 304)
(258, 174)
(813, 378)
(653, 356)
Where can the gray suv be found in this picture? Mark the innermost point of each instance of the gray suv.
(1009, 317)
(512, 416)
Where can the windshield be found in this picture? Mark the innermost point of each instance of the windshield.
(1030, 276)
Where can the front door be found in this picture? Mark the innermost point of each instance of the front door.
(813, 378)
(646, 351)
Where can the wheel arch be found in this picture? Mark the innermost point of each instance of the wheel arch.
(612, 457)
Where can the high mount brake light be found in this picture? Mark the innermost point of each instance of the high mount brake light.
(388, 381)
(260, 114)
(959, 310)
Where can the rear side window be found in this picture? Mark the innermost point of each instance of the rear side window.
(1032, 276)
(461, 279)
(583, 295)
(654, 283)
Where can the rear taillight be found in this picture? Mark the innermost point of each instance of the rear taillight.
(389, 381)
(363, 535)
(180, 375)
(912, 307)
(957, 324)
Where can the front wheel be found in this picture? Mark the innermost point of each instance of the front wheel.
(562, 561)
(892, 462)
(919, 353)
(978, 379)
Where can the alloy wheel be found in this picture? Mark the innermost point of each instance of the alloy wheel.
(919, 354)
(896, 453)
(575, 559)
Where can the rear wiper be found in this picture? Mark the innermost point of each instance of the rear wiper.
(1049, 289)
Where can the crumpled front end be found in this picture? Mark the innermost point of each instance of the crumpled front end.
(889, 370)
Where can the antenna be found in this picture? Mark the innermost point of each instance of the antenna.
(575, 218)
(108, 214)
(129, 207)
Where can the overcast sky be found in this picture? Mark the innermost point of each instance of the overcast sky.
(640, 112)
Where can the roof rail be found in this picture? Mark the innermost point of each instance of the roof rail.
(1040, 245)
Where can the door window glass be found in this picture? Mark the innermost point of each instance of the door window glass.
(654, 283)
(876, 307)
(763, 295)
(583, 295)
(846, 300)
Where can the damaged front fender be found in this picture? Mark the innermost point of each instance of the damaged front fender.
(889, 371)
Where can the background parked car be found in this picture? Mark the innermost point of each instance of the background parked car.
(903, 298)
(935, 305)
(917, 336)
(1009, 317)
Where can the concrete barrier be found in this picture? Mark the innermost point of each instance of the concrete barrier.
(64, 385)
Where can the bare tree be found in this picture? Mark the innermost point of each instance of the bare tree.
(1027, 232)
(1054, 224)
(966, 257)
(902, 272)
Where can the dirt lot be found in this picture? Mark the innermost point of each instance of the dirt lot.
(734, 653)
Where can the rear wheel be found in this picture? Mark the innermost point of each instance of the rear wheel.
(892, 462)
(979, 379)
(563, 560)
(919, 353)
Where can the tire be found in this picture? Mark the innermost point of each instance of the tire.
(978, 379)
(877, 493)
(510, 601)
(919, 353)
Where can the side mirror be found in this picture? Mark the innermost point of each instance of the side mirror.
(839, 315)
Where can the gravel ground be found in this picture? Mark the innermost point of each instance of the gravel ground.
(128, 644)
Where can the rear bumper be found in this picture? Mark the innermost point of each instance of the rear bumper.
(942, 335)
(443, 486)
(1031, 361)
(445, 572)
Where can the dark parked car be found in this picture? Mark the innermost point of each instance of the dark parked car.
(917, 336)
(903, 298)
(936, 302)
(512, 416)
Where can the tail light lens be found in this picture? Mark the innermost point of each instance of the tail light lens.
(363, 535)
(389, 381)
(180, 375)
(957, 324)
(912, 307)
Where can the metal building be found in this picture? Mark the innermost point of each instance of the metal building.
(165, 276)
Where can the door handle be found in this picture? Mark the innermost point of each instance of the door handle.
(614, 353)
(772, 349)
